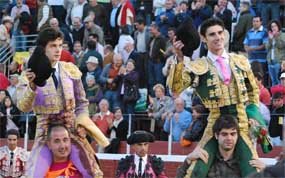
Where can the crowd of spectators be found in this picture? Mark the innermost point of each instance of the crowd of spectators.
(121, 46)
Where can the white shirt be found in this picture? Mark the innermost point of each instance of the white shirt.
(141, 46)
(77, 10)
(45, 16)
(137, 161)
(214, 57)
(56, 2)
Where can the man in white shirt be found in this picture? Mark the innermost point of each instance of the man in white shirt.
(140, 164)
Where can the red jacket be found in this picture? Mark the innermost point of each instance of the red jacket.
(67, 57)
(4, 82)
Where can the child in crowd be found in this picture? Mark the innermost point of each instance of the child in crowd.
(196, 129)
(93, 93)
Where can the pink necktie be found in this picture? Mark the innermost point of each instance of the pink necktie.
(225, 72)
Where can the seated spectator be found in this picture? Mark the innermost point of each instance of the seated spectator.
(14, 82)
(118, 131)
(158, 108)
(12, 158)
(102, 120)
(5, 29)
(92, 28)
(264, 95)
(265, 112)
(10, 115)
(3, 94)
(127, 81)
(77, 29)
(94, 94)
(14, 68)
(108, 55)
(280, 87)
(276, 121)
(59, 143)
(4, 82)
(99, 47)
(109, 73)
(180, 120)
(196, 129)
(78, 53)
(93, 68)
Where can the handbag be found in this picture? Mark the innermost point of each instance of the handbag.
(131, 93)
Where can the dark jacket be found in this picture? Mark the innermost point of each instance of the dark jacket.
(226, 17)
(130, 79)
(275, 126)
(156, 54)
(196, 130)
(242, 27)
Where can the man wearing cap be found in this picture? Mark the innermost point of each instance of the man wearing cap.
(93, 68)
(91, 27)
(280, 87)
(140, 164)
(5, 28)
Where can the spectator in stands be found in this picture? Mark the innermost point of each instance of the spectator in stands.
(59, 143)
(142, 39)
(10, 115)
(93, 67)
(265, 112)
(58, 10)
(141, 164)
(279, 87)
(276, 122)
(127, 81)
(14, 68)
(158, 7)
(77, 9)
(99, 46)
(12, 158)
(158, 109)
(118, 131)
(182, 13)
(173, 70)
(91, 27)
(125, 39)
(109, 73)
(78, 53)
(14, 81)
(264, 94)
(171, 32)
(4, 82)
(166, 19)
(276, 51)
(180, 120)
(156, 60)
(5, 30)
(126, 16)
(91, 46)
(102, 119)
(94, 94)
(99, 11)
(114, 27)
(108, 55)
(200, 11)
(54, 23)
(17, 10)
(254, 44)
(243, 25)
(269, 10)
(221, 11)
(196, 129)
(77, 29)
(3, 94)
(44, 14)
(226, 132)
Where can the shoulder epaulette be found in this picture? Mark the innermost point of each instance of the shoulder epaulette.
(157, 164)
(2, 152)
(199, 66)
(23, 155)
(241, 61)
(71, 70)
(124, 164)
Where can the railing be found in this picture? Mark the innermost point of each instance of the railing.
(138, 117)
(18, 43)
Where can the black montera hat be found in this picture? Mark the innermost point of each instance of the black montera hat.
(140, 136)
(40, 65)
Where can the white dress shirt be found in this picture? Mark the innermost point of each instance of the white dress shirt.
(137, 161)
(214, 57)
